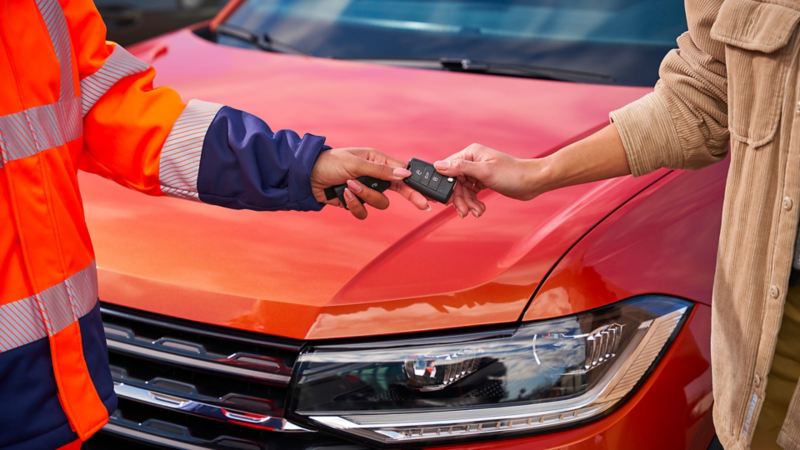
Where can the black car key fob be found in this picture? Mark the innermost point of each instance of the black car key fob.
(372, 183)
(428, 182)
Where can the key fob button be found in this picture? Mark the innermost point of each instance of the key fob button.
(426, 176)
(428, 182)
(435, 180)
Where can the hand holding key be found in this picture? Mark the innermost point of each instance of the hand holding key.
(342, 168)
(423, 179)
(478, 167)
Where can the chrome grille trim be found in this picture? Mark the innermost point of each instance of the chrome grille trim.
(188, 385)
(150, 351)
(116, 313)
(192, 404)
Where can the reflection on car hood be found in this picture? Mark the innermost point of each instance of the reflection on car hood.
(324, 275)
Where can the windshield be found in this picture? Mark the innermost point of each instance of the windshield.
(613, 41)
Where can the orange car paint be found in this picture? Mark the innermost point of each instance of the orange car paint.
(325, 275)
(335, 275)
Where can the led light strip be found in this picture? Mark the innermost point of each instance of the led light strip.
(647, 344)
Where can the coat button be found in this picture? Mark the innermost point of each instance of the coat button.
(787, 203)
(774, 292)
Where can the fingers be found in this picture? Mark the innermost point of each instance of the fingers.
(470, 193)
(471, 184)
(465, 200)
(372, 197)
(354, 206)
(411, 195)
(370, 154)
(382, 158)
(459, 202)
(476, 207)
(375, 156)
(356, 190)
(381, 171)
(473, 177)
(462, 167)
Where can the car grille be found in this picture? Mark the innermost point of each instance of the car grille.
(185, 385)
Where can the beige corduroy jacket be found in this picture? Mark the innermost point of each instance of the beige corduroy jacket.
(734, 79)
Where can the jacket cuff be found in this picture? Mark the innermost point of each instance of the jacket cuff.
(300, 196)
(245, 165)
(648, 135)
(179, 162)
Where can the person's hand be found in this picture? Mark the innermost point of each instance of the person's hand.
(344, 165)
(478, 167)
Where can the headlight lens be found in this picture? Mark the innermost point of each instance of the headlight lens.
(536, 376)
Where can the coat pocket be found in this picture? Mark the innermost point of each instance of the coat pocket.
(757, 37)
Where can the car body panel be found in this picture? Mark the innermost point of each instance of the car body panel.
(663, 241)
(317, 276)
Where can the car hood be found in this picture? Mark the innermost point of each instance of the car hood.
(326, 275)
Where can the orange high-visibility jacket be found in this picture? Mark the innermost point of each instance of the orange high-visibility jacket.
(70, 100)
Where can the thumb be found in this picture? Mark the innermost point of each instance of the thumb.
(380, 171)
(456, 167)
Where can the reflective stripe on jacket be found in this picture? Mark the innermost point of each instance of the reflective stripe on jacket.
(71, 100)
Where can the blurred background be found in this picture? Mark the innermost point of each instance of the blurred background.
(131, 21)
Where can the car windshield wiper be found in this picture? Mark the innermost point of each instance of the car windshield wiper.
(262, 41)
(522, 70)
(495, 68)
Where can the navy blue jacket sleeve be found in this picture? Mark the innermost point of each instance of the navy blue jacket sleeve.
(245, 165)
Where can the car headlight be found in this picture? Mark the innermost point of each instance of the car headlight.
(535, 376)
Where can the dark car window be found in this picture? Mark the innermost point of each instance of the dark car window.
(612, 41)
(131, 21)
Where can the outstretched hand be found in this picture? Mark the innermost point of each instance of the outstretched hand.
(344, 165)
(478, 167)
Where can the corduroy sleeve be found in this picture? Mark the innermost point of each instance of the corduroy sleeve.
(683, 124)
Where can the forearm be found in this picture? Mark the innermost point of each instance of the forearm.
(245, 165)
(596, 157)
(683, 124)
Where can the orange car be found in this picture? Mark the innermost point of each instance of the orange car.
(578, 320)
